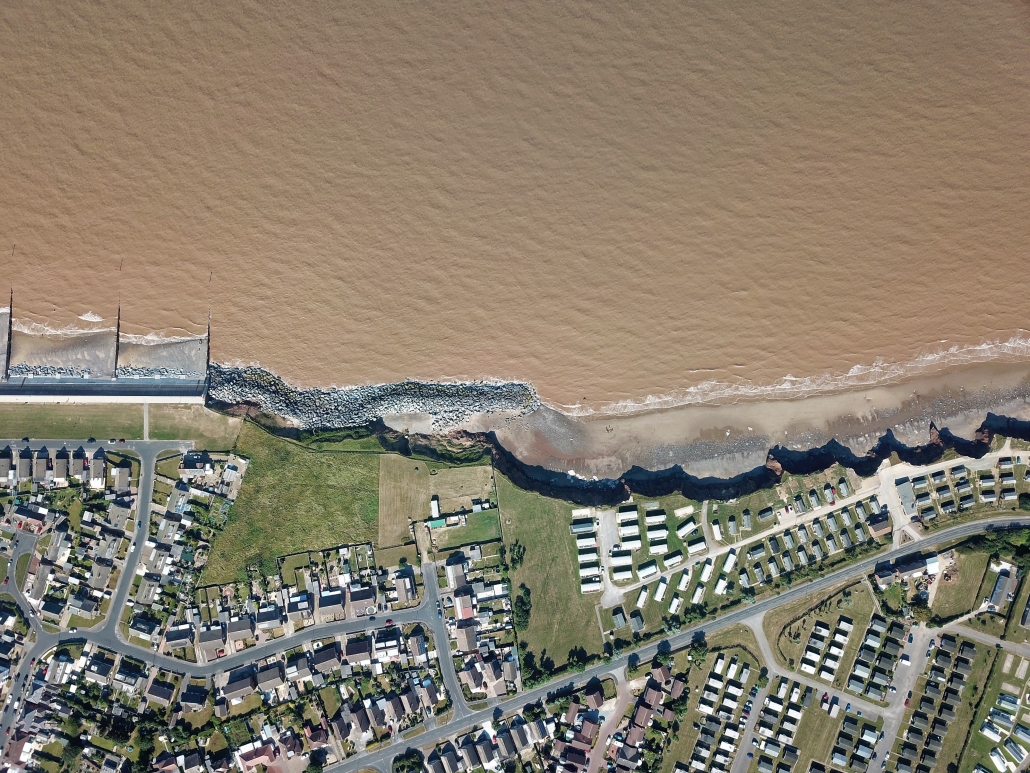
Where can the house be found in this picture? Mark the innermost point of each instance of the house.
(359, 652)
(159, 693)
(239, 686)
(179, 636)
(270, 676)
(326, 659)
(467, 638)
(360, 600)
(211, 641)
(193, 698)
(239, 629)
(269, 617)
(142, 628)
(195, 464)
(298, 668)
(98, 470)
(418, 648)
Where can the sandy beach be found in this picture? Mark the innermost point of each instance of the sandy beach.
(724, 440)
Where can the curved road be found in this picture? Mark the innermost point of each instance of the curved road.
(107, 635)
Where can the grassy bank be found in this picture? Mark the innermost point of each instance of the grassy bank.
(294, 499)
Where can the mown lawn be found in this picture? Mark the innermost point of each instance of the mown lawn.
(562, 618)
(294, 499)
(72, 421)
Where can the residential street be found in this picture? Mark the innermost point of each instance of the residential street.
(107, 635)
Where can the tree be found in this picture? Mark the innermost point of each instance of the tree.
(522, 608)
(408, 762)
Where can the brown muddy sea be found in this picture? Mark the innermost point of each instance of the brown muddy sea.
(613, 201)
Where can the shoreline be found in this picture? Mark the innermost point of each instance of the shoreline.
(721, 441)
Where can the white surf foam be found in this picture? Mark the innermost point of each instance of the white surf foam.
(41, 329)
(791, 387)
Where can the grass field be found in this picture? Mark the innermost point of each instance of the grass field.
(960, 595)
(207, 429)
(1013, 630)
(294, 499)
(71, 421)
(392, 556)
(290, 565)
(458, 486)
(480, 527)
(562, 618)
(403, 494)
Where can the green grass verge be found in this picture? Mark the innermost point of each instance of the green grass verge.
(562, 619)
(21, 569)
(294, 499)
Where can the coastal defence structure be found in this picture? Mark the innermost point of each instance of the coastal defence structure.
(100, 365)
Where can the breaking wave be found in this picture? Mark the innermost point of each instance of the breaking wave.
(791, 387)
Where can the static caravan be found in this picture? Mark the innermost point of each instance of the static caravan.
(731, 561)
(660, 589)
(658, 547)
(642, 598)
(689, 526)
(621, 558)
(590, 586)
(648, 569)
(706, 570)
